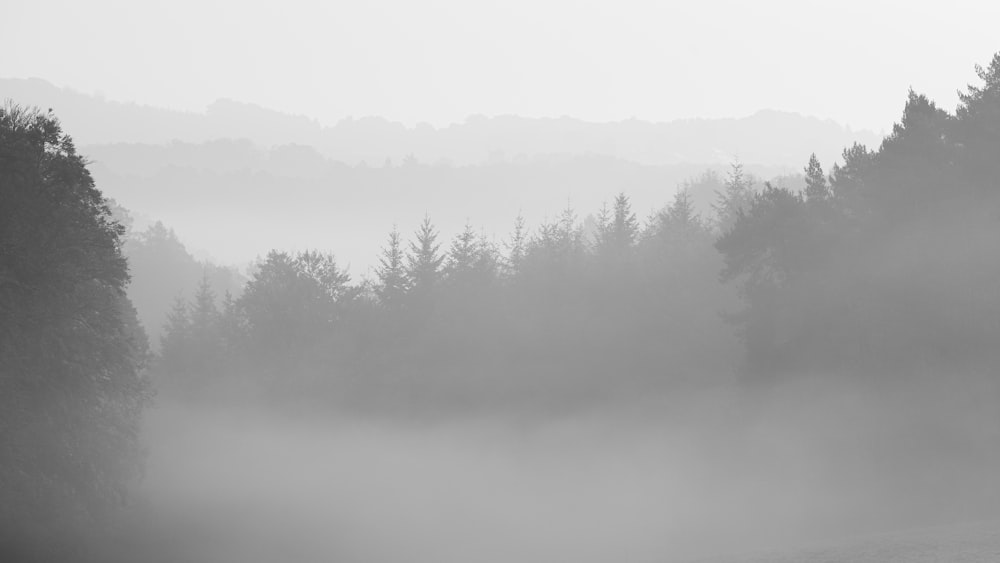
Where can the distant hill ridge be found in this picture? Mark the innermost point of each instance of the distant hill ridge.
(768, 137)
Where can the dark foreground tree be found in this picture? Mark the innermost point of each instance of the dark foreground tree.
(71, 350)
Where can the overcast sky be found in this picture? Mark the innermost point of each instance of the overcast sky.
(440, 61)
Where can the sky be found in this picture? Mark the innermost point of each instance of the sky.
(440, 61)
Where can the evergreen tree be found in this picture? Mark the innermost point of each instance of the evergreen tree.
(977, 128)
(734, 199)
(764, 252)
(568, 236)
(516, 247)
(462, 256)
(681, 216)
(204, 312)
(816, 187)
(617, 230)
(230, 324)
(175, 338)
(847, 181)
(487, 266)
(424, 260)
(392, 277)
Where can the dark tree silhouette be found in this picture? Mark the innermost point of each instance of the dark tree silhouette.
(71, 349)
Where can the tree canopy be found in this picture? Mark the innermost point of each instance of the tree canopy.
(71, 349)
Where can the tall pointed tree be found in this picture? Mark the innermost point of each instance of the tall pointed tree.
(176, 337)
(816, 187)
(681, 215)
(734, 199)
(424, 260)
(391, 271)
(617, 230)
(462, 255)
(516, 247)
(204, 312)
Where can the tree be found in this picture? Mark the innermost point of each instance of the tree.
(204, 312)
(231, 326)
(516, 247)
(767, 248)
(71, 350)
(462, 256)
(847, 181)
(816, 187)
(174, 341)
(680, 220)
(391, 271)
(556, 249)
(977, 127)
(424, 260)
(914, 163)
(617, 231)
(487, 266)
(161, 268)
(207, 350)
(733, 199)
(293, 301)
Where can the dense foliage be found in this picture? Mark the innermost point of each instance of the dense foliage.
(890, 264)
(71, 348)
(849, 274)
(572, 312)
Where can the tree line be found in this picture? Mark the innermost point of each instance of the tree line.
(572, 311)
(881, 266)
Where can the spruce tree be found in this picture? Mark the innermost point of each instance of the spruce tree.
(424, 260)
(816, 186)
(734, 199)
(391, 272)
(516, 248)
(462, 256)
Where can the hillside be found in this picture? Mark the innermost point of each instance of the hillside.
(768, 137)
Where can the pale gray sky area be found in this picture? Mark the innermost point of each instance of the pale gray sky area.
(440, 61)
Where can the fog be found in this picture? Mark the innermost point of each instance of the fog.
(809, 463)
(580, 284)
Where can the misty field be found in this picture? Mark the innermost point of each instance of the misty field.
(960, 543)
(711, 479)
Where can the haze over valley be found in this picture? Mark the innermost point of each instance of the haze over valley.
(539, 282)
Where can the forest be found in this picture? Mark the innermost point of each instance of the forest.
(874, 277)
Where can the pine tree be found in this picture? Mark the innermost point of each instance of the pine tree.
(681, 212)
(977, 128)
(982, 97)
(568, 235)
(617, 230)
(176, 337)
(734, 200)
(816, 186)
(462, 256)
(488, 260)
(678, 222)
(424, 260)
(392, 280)
(230, 324)
(516, 248)
(204, 312)
(847, 180)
